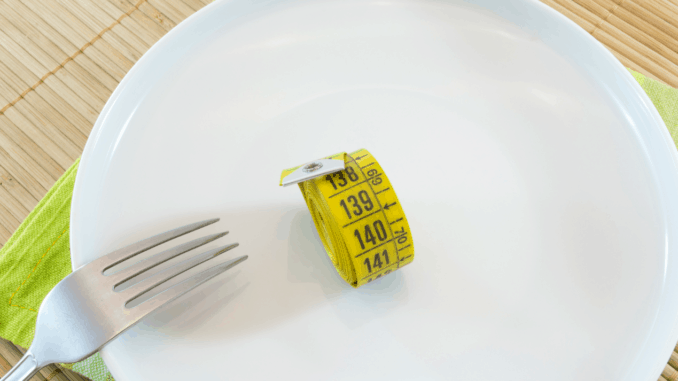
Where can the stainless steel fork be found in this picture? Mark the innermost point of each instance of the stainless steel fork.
(87, 309)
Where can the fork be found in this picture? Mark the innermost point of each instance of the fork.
(89, 308)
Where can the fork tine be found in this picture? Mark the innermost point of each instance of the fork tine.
(147, 285)
(127, 252)
(166, 296)
(132, 272)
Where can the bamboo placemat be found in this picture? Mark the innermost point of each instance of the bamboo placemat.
(60, 60)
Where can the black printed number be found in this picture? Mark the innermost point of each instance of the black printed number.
(401, 234)
(357, 208)
(351, 174)
(342, 179)
(365, 199)
(369, 236)
(372, 175)
(377, 261)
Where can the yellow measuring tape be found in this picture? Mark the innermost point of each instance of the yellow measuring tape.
(359, 219)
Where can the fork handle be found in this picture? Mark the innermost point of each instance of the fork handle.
(26, 368)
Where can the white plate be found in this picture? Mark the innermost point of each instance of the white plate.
(539, 181)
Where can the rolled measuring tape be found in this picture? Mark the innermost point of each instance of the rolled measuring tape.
(357, 214)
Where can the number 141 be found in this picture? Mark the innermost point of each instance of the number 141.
(376, 262)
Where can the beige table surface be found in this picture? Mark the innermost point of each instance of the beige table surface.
(60, 60)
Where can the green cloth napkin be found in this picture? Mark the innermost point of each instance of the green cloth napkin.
(37, 256)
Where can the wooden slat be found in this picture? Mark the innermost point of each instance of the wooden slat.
(109, 14)
(95, 70)
(169, 10)
(74, 99)
(153, 13)
(635, 28)
(7, 94)
(111, 66)
(18, 60)
(652, 25)
(15, 209)
(125, 5)
(75, 118)
(7, 219)
(55, 119)
(101, 21)
(23, 176)
(669, 373)
(148, 34)
(153, 26)
(15, 9)
(83, 82)
(24, 30)
(5, 366)
(643, 43)
(49, 149)
(24, 150)
(6, 232)
(195, 5)
(66, 22)
(53, 125)
(667, 11)
(17, 191)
